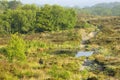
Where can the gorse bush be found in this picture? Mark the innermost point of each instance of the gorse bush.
(16, 48)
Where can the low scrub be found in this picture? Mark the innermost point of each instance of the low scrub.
(16, 48)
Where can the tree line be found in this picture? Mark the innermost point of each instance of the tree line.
(102, 9)
(16, 17)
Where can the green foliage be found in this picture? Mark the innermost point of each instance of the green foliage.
(54, 18)
(14, 4)
(116, 10)
(32, 7)
(83, 24)
(86, 25)
(5, 4)
(18, 21)
(30, 18)
(37, 44)
(102, 9)
(84, 74)
(57, 73)
(16, 48)
(4, 24)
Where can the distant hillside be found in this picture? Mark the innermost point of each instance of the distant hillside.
(103, 9)
(107, 5)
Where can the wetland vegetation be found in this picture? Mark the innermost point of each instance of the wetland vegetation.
(41, 43)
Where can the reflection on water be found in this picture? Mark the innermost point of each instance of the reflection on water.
(84, 53)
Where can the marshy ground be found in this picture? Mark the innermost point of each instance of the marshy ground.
(51, 55)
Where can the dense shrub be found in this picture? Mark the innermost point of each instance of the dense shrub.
(30, 18)
(55, 18)
(16, 48)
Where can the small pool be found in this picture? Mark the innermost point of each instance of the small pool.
(84, 53)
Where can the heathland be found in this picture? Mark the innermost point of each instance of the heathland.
(41, 42)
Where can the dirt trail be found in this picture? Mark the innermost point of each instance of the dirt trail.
(87, 36)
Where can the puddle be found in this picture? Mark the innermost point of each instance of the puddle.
(84, 53)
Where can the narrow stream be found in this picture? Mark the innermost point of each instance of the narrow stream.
(88, 64)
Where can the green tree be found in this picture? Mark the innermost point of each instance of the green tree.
(14, 4)
(5, 23)
(22, 21)
(32, 7)
(54, 18)
(3, 5)
(116, 10)
(30, 18)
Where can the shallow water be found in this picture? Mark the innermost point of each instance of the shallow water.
(84, 53)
